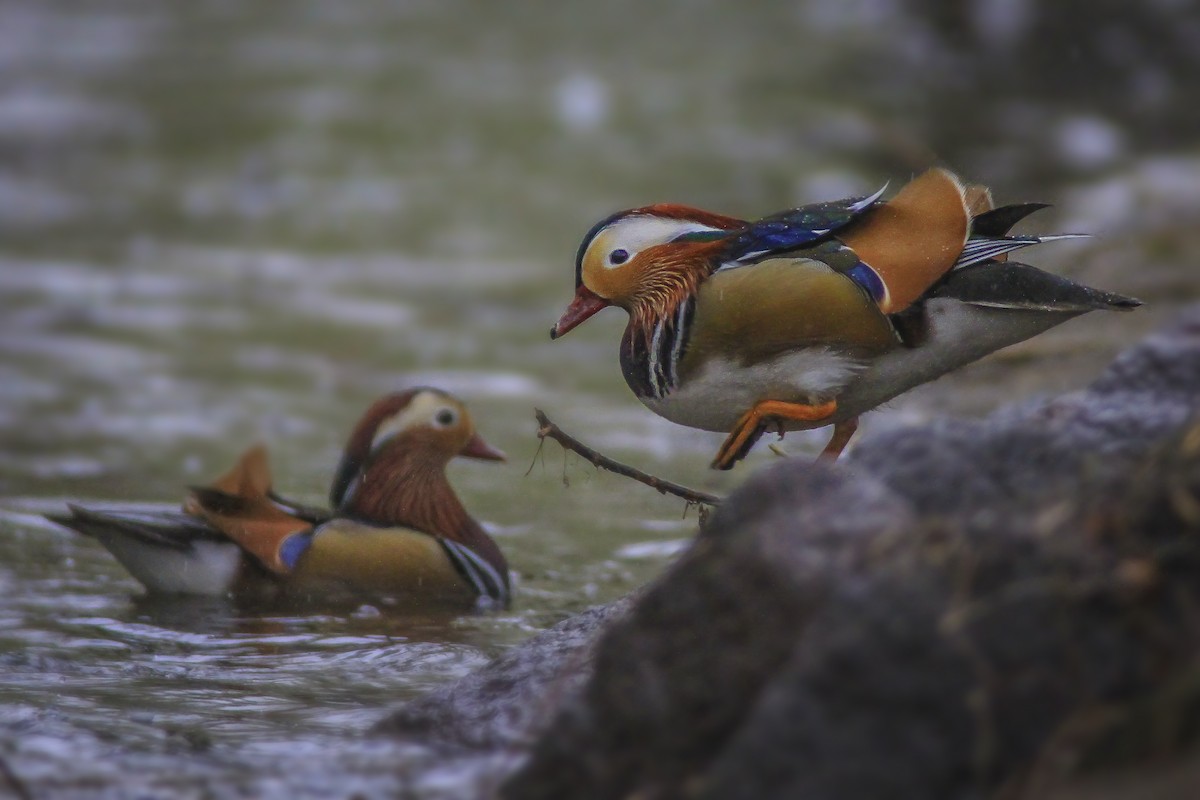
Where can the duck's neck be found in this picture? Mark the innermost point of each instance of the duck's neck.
(413, 493)
(661, 294)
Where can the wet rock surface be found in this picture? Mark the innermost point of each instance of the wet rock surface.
(506, 702)
(995, 607)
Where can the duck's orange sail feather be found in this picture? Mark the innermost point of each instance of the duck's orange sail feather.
(238, 505)
(915, 238)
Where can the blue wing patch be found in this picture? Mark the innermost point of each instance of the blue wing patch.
(869, 279)
(295, 546)
(798, 227)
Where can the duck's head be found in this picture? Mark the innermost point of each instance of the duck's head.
(636, 258)
(417, 430)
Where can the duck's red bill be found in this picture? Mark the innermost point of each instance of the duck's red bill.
(585, 304)
(478, 448)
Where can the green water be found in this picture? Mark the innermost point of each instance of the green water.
(227, 222)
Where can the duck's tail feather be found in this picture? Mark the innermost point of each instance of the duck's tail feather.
(1019, 286)
(999, 221)
(170, 529)
(984, 248)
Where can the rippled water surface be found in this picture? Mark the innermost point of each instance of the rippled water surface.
(227, 222)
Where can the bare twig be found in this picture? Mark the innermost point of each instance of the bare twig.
(547, 429)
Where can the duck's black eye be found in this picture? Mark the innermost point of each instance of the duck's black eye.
(445, 418)
(618, 257)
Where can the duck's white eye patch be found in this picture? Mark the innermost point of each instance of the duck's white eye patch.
(423, 408)
(444, 418)
(623, 240)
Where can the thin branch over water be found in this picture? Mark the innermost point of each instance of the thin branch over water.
(549, 430)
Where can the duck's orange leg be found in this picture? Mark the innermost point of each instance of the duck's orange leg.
(754, 422)
(842, 432)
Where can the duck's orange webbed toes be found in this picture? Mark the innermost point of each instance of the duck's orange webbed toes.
(754, 423)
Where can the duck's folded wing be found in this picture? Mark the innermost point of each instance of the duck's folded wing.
(242, 507)
(272, 536)
(171, 529)
(796, 228)
(915, 238)
(314, 515)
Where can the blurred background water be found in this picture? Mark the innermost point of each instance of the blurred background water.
(223, 221)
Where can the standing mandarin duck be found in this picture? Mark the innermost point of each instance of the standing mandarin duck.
(813, 316)
(397, 529)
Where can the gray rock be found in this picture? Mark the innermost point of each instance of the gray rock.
(959, 609)
(1024, 452)
(507, 702)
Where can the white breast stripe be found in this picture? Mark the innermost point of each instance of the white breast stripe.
(348, 495)
(653, 362)
(680, 335)
(485, 578)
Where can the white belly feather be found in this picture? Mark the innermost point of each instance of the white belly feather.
(958, 334)
(206, 568)
(716, 397)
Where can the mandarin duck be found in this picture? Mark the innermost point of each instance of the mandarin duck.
(813, 316)
(396, 527)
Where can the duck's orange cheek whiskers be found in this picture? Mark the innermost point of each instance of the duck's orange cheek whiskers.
(585, 304)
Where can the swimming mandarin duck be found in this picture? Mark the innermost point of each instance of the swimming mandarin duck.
(815, 315)
(397, 529)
